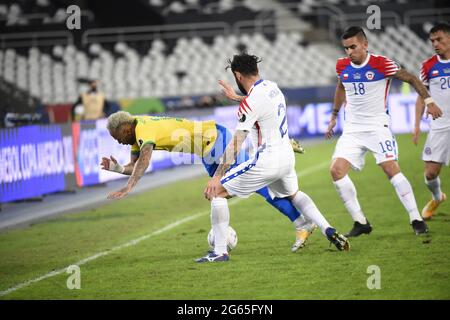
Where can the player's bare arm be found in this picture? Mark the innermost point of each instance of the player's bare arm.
(339, 98)
(229, 92)
(432, 108)
(140, 166)
(213, 186)
(420, 107)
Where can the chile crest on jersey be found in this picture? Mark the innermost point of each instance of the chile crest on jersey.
(373, 70)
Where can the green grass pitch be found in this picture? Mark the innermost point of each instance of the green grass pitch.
(261, 267)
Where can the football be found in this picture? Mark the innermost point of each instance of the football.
(231, 240)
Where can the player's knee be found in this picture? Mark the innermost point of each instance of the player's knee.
(431, 174)
(337, 172)
(432, 170)
(391, 168)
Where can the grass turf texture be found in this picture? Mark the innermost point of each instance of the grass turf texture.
(261, 267)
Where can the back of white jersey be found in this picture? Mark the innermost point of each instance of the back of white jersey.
(435, 73)
(263, 114)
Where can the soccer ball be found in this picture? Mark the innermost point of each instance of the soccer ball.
(231, 240)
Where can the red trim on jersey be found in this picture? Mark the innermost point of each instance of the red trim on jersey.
(426, 67)
(341, 64)
(246, 104)
(259, 133)
(386, 91)
(383, 65)
(243, 106)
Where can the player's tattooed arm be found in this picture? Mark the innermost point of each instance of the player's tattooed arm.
(339, 99)
(432, 108)
(230, 153)
(408, 77)
(140, 166)
(128, 168)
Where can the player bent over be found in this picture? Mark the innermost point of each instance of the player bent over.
(262, 114)
(206, 139)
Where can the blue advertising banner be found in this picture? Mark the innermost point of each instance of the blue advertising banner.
(32, 162)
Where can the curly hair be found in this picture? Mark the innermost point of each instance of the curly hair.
(244, 63)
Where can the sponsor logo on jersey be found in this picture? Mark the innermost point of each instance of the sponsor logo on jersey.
(435, 72)
(370, 75)
(242, 118)
(357, 76)
(141, 142)
(345, 76)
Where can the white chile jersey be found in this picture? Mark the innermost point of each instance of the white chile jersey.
(366, 89)
(435, 74)
(263, 114)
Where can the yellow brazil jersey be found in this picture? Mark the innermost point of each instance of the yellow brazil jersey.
(175, 134)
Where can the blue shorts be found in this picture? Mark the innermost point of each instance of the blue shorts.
(212, 160)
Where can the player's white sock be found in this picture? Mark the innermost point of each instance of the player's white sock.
(435, 187)
(406, 195)
(302, 222)
(347, 192)
(220, 219)
(306, 206)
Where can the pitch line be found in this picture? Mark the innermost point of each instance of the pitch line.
(302, 173)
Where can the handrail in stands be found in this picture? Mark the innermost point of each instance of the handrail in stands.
(423, 14)
(101, 35)
(12, 40)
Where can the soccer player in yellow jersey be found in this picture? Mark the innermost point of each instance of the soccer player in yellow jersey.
(206, 139)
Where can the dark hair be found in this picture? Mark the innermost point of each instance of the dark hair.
(440, 26)
(244, 63)
(353, 31)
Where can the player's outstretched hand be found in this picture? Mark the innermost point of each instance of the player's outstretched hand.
(106, 163)
(111, 164)
(434, 111)
(416, 135)
(330, 132)
(119, 194)
(229, 92)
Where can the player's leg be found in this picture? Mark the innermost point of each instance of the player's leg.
(307, 206)
(385, 150)
(349, 154)
(304, 227)
(287, 186)
(405, 194)
(436, 153)
(433, 183)
(220, 220)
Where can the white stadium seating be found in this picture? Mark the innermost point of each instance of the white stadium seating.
(192, 67)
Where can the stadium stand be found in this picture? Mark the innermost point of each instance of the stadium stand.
(190, 64)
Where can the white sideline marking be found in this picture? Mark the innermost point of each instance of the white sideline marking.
(302, 173)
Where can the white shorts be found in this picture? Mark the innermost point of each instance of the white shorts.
(262, 171)
(353, 146)
(437, 147)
